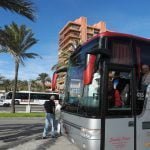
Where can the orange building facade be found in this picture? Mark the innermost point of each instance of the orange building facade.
(73, 34)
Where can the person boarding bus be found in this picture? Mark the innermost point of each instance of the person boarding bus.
(49, 107)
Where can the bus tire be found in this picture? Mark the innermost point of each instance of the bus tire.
(5, 105)
(8, 105)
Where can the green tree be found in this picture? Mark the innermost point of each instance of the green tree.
(1, 78)
(43, 77)
(22, 85)
(36, 86)
(17, 40)
(7, 85)
(22, 7)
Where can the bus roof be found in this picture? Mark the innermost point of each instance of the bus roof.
(111, 34)
(117, 34)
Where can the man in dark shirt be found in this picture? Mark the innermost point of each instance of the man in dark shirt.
(49, 107)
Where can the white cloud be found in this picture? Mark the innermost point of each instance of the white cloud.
(3, 62)
(34, 67)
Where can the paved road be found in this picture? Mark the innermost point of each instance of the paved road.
(22, 108)
(25, 134)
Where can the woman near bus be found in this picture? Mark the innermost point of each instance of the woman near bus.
(57, 116)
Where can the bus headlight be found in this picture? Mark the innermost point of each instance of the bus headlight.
(90, 133)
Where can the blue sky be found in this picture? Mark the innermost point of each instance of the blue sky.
(129, 16)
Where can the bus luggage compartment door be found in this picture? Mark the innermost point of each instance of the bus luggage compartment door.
(119, 134)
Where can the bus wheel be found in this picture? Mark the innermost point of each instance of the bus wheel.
(17, 102)
(8, 105)
(5, 105)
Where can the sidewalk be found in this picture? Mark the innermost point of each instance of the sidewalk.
(26, 134)
(61, 143)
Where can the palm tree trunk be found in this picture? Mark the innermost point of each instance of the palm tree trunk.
(15, 86)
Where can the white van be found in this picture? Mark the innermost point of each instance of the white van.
(4, 103)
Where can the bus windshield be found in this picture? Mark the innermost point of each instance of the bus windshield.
(82, 99)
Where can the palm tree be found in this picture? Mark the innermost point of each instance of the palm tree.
(1, 78)
(36, 86)
(43, 77)
(7, 84)
(17, 40)
(22, 85)
(22, 7)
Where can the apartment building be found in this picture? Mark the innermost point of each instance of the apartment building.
(73, 34)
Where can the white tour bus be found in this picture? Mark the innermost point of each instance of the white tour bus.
(106, 104)
(26, 97)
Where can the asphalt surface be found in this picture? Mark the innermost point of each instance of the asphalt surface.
(26, 134)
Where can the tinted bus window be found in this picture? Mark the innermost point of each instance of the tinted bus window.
(75, 85)
(21, 96)
(35, 96)
(56, 96)
(145, 53)
(142, 50)
(121, 51)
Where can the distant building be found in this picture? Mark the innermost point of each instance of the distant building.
(73, 34)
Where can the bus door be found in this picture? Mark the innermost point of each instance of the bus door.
(143, 118)
(119, 121)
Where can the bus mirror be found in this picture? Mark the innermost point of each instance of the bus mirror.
(89, 70)
(54, 79)
(55, 75)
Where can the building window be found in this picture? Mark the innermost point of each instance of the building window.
(75, 26)
(89, 36)
(96, 31)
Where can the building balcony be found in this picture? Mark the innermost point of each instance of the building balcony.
(90, 30)
(89, 36)
(67, 44)
(64, 53)
(68, 36)
(70, 25)
(68, 31)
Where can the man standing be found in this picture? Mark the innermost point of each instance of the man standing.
(49, 107)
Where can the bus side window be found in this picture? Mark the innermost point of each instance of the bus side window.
(118, 94)
(142, 51)
(143, 81)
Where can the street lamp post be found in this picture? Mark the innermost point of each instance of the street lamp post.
(28, 107)
(29, 89)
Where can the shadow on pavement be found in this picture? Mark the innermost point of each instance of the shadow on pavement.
(46, 144)
(15, 134)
